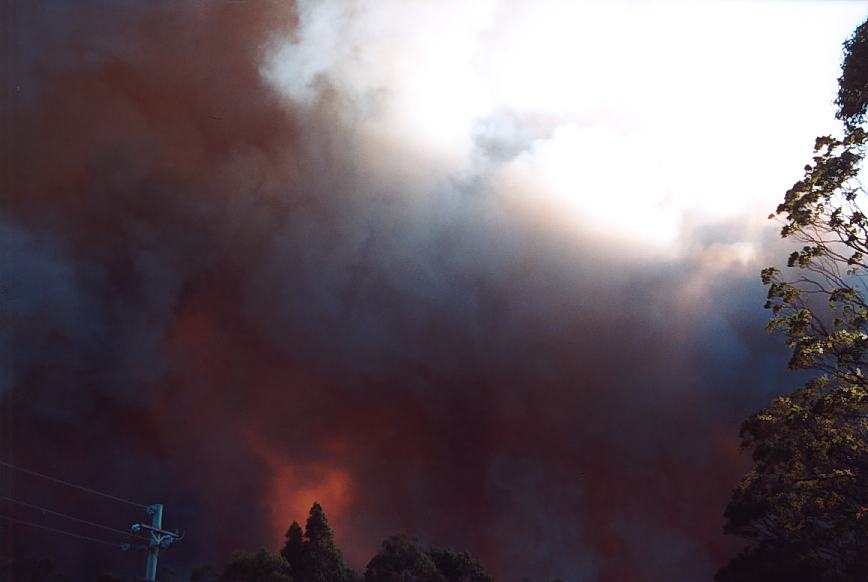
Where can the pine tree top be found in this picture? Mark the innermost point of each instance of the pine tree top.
(317, 530)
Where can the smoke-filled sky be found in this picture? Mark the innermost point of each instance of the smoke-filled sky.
(483, 272)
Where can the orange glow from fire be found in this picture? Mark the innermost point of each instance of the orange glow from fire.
(295, 486)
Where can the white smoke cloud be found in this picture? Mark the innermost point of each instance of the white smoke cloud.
(624, 120)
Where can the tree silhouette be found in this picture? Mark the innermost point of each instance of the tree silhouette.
(31, 570)
(404, 559)
(804, 504)
(458, 566)
(261, 566)
(314, 556)
(294, 546)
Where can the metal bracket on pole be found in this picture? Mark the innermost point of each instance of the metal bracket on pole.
(158, 538)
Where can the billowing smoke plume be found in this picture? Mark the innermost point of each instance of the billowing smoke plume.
(256, 255)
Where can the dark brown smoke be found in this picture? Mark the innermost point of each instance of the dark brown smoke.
(211, 303)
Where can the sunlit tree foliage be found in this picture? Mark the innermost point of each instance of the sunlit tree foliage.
(804, 504)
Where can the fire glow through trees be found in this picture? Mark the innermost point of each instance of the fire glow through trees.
(487, 275)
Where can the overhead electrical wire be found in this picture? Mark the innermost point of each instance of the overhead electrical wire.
(73, 485)
(60, 531)
(71, 517)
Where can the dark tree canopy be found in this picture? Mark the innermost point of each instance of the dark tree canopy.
(294, 545)
(261, 566)
(314, 556)
(853, 83)
(458, 566)
(404, 559)
(317, 531)
(31, 570)
(308, 555)
(771, 562)
(205, 573)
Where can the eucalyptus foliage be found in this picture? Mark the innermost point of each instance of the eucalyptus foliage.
(804, 503)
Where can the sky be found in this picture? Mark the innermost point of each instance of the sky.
(486, 273)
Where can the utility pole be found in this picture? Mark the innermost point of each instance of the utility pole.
(158, 538)
(156, 512)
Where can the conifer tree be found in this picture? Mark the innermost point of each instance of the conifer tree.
(314, 556)
(292, 549)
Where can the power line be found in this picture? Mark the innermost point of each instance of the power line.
(60, 531)
(73, 485)
(72, 518)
